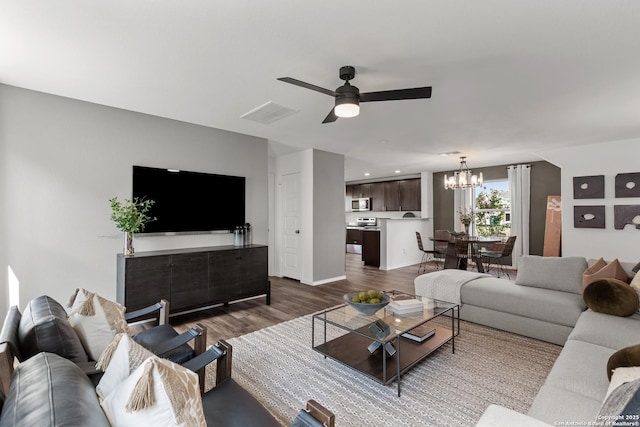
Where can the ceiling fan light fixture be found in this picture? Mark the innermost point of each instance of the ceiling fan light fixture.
(347, 110)
(347, 102)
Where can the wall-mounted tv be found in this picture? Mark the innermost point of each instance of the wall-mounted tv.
(190, 201)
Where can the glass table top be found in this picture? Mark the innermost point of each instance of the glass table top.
(390, 323)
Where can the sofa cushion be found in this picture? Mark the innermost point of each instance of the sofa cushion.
(581, 368)
(611, 296)
(601, 270)
(602, 329)
(628, 356)
(44, 327)
(499, 416)
(502, 295)
(48, 390)
(556, 405)
(561, 274)
(157, 393)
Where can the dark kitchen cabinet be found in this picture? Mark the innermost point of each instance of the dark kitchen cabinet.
(400, 195)
(377, 196)
(360, 190)
(192, 278)
(410, 197)
(354, 237)
(371, 247)
(392, 195)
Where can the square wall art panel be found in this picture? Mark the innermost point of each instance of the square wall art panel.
(588, 216)
(588, 187)
(628, 184)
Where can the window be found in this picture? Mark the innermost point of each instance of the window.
(493, 209)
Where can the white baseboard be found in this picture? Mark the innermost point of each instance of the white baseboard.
(393, 267)
(322, 282)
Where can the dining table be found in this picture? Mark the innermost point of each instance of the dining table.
(451, 259)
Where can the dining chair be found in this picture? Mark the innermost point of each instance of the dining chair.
(499, 257)
(428, 254)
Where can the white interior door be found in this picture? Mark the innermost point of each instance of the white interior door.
(291, 195)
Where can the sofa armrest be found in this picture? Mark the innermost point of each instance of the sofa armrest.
(499, 416)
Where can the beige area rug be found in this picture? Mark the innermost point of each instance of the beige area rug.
(278, 366)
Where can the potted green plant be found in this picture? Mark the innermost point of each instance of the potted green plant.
(130, 216)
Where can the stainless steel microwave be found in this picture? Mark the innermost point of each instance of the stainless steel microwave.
(361, 204)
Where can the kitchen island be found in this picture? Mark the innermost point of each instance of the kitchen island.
(398, 244)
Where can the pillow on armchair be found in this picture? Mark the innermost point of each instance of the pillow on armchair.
(158, 393)
(611, 296)
(96, 320)
(121, 357)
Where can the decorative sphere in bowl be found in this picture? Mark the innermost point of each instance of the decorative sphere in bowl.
(366, 302)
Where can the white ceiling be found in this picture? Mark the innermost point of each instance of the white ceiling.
(510, 78)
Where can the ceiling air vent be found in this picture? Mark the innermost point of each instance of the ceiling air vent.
(268, 113)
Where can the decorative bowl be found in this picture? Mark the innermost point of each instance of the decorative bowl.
(366, 309)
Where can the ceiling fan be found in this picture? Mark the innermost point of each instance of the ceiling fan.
(348, 98)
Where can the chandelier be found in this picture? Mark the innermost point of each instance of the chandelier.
(462, 178)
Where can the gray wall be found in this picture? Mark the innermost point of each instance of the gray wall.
(62, 160)
(328, 216)
(545, 181)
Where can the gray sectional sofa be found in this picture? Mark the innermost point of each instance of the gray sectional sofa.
(545, 302)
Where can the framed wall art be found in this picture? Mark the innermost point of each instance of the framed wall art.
(626, 214)
(588, 216)
(588, 187)
(628, 184)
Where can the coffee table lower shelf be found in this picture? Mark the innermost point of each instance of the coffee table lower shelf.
(351, 350)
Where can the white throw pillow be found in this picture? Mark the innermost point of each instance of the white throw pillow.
(157, 393)
(622, 375)
(118, 360)
(94, 331)
(96, 320)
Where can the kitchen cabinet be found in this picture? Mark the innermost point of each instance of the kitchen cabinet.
(371, 247)
(392, 196)
(192, 278)
(399, 195)
(410, 197)
(354, 237)
(360, 190)
(377, 197)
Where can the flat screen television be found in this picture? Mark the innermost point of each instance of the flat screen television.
(190, 201)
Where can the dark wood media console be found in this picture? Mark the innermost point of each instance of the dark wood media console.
(192, 278)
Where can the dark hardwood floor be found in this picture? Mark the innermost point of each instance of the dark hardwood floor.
(291, 299)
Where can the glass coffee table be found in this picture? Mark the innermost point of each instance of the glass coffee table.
(375, 346)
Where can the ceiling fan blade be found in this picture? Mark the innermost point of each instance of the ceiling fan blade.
(397, 95)
(331, 117)
(307, 85)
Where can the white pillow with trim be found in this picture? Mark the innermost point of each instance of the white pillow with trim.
(157, 393)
